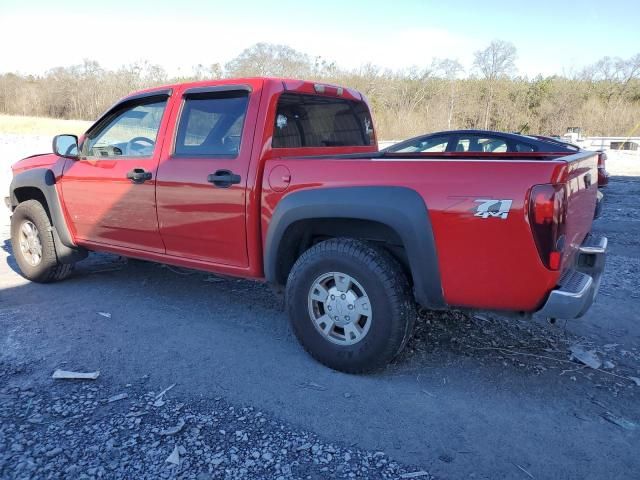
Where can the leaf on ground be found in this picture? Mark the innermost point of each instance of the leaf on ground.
(173, 430)
(161, 394)
(174, 458)
(67, 375)
(588, 357)
(419, 474)
(135, 414)
(313, 386)
(115, 398)
(212, 279)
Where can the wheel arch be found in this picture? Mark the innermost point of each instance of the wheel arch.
(397, 217)
(39, 184)
(24, 193)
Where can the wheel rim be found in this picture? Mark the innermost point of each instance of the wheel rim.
(340, 308)
(30, 244)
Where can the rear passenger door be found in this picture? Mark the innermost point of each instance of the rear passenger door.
(202, 188)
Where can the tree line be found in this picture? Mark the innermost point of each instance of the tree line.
(603, 98)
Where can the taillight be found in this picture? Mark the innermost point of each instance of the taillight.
(547, 216)
(602, 159)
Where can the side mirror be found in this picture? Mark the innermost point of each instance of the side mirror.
(65, 145)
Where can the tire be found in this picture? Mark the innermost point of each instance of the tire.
(376, 333)
(27, 216)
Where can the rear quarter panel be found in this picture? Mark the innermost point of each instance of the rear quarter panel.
(484, 263)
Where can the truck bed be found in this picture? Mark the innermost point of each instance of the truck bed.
(477, 257)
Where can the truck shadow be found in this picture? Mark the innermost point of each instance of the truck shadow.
(228, 306)
(11, 260)
(218, 304)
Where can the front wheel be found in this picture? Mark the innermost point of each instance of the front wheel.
(33, 246)
(350, 305)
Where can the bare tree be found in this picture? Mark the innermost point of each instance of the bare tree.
(450, 69)
(206, 72)
(266, 59)
(494, 62)
(604, 100)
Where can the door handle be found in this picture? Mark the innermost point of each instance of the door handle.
(223, 178)
(139, 175)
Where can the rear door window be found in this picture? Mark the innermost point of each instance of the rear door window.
(317, 121)
(211, 124)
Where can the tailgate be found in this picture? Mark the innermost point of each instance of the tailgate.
(582, 255)
(581, 180)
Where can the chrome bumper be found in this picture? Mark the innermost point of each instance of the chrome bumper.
(579, 285)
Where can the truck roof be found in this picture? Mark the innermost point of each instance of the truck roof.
(289, 84)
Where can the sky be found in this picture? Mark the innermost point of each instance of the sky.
(551, 37)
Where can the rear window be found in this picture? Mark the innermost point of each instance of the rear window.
(211, 124)
(316, 121)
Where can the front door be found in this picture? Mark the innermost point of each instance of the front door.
(109, 192)
(202, 177)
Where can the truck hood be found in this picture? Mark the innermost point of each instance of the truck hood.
(42, 160)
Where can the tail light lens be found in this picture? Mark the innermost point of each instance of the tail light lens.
(602, 159)
(547, 216)
(603, 176)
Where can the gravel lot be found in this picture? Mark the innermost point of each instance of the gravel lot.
(474, 396)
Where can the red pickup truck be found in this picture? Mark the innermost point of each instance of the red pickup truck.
(281, 180)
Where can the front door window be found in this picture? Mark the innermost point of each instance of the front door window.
(130, 132)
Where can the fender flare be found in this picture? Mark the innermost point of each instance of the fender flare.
(44, 180)
(399, 208)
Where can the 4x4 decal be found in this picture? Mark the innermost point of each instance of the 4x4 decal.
(493, 208)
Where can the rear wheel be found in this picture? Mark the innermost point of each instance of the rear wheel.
(350, 305)
(33, 246)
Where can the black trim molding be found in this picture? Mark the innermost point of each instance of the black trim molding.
(401, 209)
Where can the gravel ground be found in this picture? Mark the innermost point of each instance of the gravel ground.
(475, 395)
(85, 431)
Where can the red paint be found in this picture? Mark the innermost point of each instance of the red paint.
(279, 178)
(603, 175)
(547, 216)
(179, 218)
(490, 263)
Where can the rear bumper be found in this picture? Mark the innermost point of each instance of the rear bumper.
(579, 285)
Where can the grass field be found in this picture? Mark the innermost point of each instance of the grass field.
(23, 125)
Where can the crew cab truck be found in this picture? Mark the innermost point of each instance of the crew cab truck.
(281, 180)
